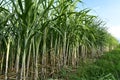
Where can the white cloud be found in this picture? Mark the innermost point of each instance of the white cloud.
(115, 31)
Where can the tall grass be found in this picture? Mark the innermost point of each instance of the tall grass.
(39, 37)
(105, 68)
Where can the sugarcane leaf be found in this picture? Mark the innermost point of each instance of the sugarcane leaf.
(20, 5)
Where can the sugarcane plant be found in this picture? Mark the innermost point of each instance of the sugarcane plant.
(40, 37)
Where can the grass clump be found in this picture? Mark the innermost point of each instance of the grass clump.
(107, 67)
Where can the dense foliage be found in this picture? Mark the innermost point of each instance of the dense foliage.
(107, 67)
(40, 37)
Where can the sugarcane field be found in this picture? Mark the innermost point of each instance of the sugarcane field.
(59, 40)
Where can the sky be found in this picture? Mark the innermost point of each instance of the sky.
(108, 11)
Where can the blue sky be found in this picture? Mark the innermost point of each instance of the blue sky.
(107, 10)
